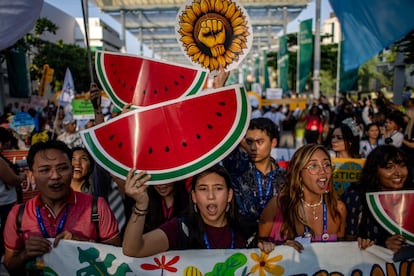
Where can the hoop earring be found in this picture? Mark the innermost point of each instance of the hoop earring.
(301, 191)
(195, 208)
(227, 207)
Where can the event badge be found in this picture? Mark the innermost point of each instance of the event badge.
(325, 236)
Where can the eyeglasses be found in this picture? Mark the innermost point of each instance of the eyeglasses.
(338, 137)
(60, 170)
(314, 169)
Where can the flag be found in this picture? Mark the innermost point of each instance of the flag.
(305, 53)
(18, 74)
(17, 18)
(283, 63)
(68, 89)
(369, 26)
(348, 79)
(266, 82)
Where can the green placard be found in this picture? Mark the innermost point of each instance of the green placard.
(82, 109)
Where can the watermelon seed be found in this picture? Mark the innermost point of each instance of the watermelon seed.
(119, 80)
(176, 82)
(124, 84)
(222, 103)
(111, 137)
(155, 92)
(219, 114)
(198, 136)
(184, 144)
(182, 76)
(150, 150)
(209, 126)
(167, 149)
(131, 88)
(115, 72)
(144, 92)
(120, 145)
(165, 88)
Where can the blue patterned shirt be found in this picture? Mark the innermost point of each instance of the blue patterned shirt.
(252, 190)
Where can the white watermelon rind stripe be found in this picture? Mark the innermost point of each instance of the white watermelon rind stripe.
(383, 219)
(232, 139)
(102, 76)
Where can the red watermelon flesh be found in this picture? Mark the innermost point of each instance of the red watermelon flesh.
(394, 211)
(143, 81)
(175, 139)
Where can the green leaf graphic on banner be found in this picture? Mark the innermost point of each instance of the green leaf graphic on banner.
(99, 267)
(234, 262)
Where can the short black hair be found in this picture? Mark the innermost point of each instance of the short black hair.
(266, 125)
(5, 135)
(42, 146)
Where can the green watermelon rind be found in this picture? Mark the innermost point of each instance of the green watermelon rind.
(384, 220)
(181, 172)
(99, 63)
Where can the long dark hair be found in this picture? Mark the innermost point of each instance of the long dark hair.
(379, 158)
(87, 183)
(289, 200)
(155, 216)
(195, 222)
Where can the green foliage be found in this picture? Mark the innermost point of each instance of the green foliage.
(60, 56)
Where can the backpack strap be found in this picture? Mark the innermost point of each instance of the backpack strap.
(95, 217)
(183, 234)
(19, 218)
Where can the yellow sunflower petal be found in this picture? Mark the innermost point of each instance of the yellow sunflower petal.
(275, 259)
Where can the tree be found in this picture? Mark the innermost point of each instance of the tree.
(57, 55)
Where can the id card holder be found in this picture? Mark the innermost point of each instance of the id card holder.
(303, 240)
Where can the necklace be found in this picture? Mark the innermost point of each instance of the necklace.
(313, 206)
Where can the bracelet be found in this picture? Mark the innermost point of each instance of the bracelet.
(139, 212)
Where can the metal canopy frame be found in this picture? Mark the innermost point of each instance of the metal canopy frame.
(153, 22)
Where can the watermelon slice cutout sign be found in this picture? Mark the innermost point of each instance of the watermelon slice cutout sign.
(172, 140)
(394, 211)
(143, 81)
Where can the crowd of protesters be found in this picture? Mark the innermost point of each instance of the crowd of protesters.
(247, 200)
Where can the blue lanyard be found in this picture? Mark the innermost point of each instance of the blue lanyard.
(207, 243)
(325, 235)
(42, 225)
(260, 186)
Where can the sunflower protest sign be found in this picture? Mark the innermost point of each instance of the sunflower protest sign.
(214, 34)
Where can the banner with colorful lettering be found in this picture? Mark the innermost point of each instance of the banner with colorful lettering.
(347, 171)
(341, 258)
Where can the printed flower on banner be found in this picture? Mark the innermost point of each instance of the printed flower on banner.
(265, 266)
(162, 265)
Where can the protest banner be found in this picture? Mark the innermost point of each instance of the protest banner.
(339, 258)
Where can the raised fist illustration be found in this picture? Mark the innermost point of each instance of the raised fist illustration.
(213, 34)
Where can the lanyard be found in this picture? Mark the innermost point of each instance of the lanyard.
(207, 243)
(167, 211)
(260, 186)
(325, 235)
(42, 225)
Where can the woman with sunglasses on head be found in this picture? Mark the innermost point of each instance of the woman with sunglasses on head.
(385, 169)
(345, 140)
(307, 209)
(211, 222)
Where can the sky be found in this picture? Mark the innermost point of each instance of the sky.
(74, 8)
